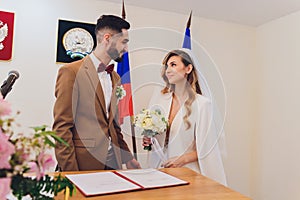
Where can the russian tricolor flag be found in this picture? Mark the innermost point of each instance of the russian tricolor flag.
(125, 104)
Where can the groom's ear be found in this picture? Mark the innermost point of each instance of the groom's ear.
(106, 37)
(189, 68)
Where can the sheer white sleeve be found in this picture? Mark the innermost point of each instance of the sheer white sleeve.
(209, 155)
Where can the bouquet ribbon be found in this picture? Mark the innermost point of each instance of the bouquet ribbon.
(158, 150)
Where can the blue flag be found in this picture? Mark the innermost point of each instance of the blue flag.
(187, 39)
(187, 36)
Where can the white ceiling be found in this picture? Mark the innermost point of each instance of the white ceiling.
(247, 12)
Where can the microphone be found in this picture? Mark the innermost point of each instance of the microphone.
(8, 83)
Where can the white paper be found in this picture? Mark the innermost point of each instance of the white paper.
(101, 183)
(152, 178)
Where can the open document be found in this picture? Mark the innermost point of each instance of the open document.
(100, 183)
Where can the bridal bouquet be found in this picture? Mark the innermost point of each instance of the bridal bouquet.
(152, 122)
(25, 159)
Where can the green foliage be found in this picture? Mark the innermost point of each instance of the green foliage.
(40, 189)
(41, 131)
(22, 153)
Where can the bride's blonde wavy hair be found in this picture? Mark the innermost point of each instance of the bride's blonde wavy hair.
(192, 86)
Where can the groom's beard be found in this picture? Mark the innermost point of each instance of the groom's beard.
(115, 54)
(119, 59)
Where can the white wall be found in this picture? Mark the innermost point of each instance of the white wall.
(277, 140)
(232, 47)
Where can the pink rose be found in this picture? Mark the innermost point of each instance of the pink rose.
(4, 107)
(4, 187)
(6, 150)
(45, 162)
(33, 168)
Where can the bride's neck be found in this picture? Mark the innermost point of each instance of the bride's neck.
(181, 91)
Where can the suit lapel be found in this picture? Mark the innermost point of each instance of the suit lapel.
(114, 101)
(94, 78)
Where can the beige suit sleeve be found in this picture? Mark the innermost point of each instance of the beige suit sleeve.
(63, 118)
(125, 152)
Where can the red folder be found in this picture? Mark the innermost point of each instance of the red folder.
(102, 183)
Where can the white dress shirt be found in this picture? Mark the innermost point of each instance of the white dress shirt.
(105, 81)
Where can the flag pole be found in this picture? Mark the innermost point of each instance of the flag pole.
(123, 10)
(131, 117)
(188, 24)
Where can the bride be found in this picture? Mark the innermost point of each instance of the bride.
(190, 140)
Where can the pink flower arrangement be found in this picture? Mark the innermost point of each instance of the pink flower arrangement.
(4, 107)
(21, 155)
(6, 150)
(45, 162)
(4, 187)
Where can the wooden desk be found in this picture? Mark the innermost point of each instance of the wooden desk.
(200, 188)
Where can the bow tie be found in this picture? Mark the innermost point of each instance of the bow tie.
(103, 68)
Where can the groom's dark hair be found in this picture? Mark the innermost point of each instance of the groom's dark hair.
(112, 22)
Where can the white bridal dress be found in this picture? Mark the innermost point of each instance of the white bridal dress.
(202, 136)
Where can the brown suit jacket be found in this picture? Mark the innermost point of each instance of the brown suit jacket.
(80, 119)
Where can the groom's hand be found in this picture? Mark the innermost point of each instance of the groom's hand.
(133, 164)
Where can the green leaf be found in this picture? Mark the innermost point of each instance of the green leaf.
(57, 138)
(149, 148)
(48, 141)
(39, 128)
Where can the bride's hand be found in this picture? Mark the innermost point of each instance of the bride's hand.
(146, 141)
(175, 162)
(182, 160)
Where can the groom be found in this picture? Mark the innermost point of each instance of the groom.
(86, 105)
